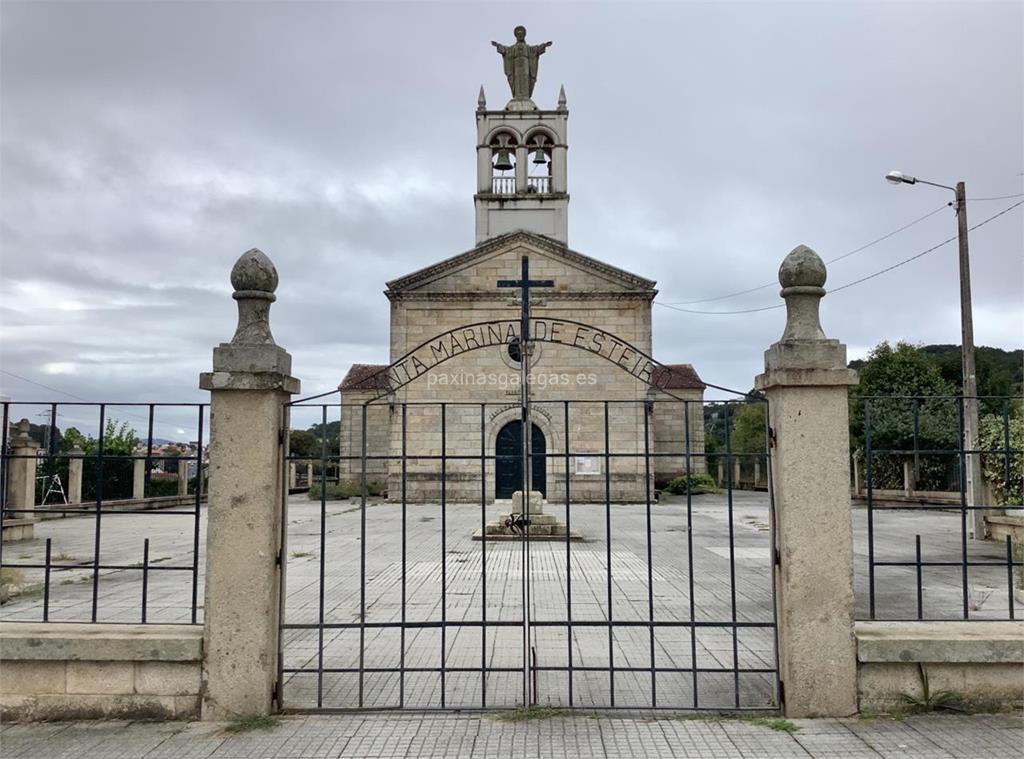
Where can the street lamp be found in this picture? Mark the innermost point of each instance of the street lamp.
(970, 381)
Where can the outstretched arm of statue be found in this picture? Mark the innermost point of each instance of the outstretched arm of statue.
(501, 48)
(541, 49)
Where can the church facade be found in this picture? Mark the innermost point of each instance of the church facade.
(607, 418)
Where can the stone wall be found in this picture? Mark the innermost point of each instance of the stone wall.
(980, 664)
(89, 671)
(669, 420)
(379, 418)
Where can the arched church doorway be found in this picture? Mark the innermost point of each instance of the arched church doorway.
(509, 460)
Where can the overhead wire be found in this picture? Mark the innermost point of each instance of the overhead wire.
(854, 282)
(830, 261)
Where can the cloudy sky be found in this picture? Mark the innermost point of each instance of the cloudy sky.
(145, 145)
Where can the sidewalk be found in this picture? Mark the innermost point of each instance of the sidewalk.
(464, 735)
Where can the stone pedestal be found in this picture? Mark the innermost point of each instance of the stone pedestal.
(806, 382)
(542, 526)
(183, 473)
(75, 475)
(249, 386)
(139, 479)
(21, 484)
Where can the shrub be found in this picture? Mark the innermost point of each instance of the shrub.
(348, 489)
(1007, 491)
(697, 484)
(161, 487)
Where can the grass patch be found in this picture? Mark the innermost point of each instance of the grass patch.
(64, 557)
(699, 717)
(929, 700)
(11, 577)
(248, 722)
(77, 580)
(775, 723)
(530, 713)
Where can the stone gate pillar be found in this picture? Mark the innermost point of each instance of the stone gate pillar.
(75, 474)
(806, 381)
(21, 469)
(249, 386)
(138, 479)
(183, 463)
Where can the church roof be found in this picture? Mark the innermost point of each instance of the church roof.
(366, 377)
(547, 244)
(683, 377)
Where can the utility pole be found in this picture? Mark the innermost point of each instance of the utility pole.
(972, 483)
(972, 463)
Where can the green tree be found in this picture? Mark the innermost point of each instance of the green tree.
(304, 443)
(890, 380)
(898, 384)
(115, 477)
(119, 439)
(748, 428)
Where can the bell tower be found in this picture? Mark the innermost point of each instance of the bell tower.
(521, 154)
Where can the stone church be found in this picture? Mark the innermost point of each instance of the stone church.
(449, 401)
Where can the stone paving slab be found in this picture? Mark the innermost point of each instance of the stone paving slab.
(599, 734)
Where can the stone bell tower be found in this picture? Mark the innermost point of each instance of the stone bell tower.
(521, 154)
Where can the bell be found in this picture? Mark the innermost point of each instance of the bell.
(539, 158)
(504, 162)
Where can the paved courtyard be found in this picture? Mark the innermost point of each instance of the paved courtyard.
(410, 735)
(568, 582)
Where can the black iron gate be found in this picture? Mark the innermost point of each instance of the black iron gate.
(408, 586)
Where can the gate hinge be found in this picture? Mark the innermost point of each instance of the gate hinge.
(275, 697)
(782, 693)
(771, 437)
(280, 437)
(777, 558)
(277, 559)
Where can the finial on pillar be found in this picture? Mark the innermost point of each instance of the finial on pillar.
(561, 98)
(802, 276)
(254, 279)
(20, 437)
(481, 101)
(252, 350)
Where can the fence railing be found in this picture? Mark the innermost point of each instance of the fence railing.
(620, 599)
(538, 184)
(102, 466)
(926, 547)
(503, 185)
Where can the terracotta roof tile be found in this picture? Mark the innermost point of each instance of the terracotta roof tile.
(683, 377)
(366, 377)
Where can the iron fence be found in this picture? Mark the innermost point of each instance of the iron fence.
(664, 601)
(77, 566)
(919, 559)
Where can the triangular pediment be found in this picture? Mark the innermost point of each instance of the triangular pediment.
(479, 269)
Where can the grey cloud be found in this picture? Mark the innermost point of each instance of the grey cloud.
(144, 146)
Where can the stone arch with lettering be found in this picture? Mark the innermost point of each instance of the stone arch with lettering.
(447, 345)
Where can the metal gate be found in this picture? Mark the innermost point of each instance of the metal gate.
(648, 594)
